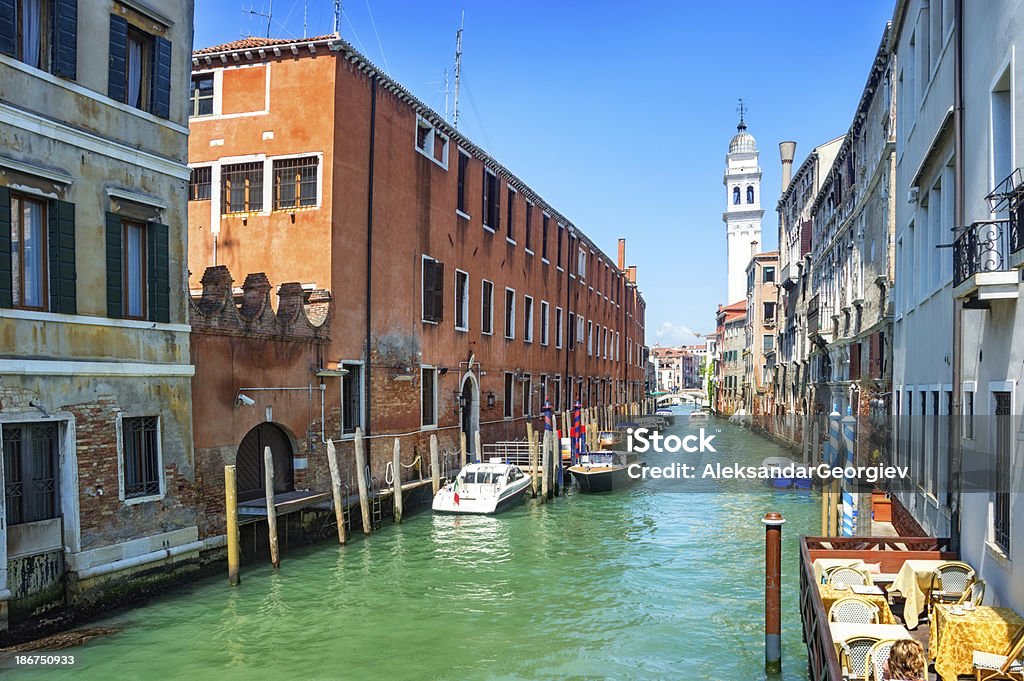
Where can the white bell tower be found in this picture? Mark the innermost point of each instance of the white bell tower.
(743, 211)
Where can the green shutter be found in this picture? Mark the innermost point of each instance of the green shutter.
(8, 28)
(63, 286)
(158, 274)
(6, 282)
(65, 38)
(117, 63)
(161, 82)
(115, 281)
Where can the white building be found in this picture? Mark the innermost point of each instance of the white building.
(743, 211)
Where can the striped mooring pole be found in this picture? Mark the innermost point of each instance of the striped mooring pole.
(849, 524)
(773, 522)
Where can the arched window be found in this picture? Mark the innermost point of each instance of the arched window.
(750, 193)
(735, 196)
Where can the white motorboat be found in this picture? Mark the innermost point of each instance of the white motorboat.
(699, 417)
(483, 488)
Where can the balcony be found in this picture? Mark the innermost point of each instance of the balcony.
(981, 262)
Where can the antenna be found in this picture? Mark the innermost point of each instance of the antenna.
(268, 15)
(305, 16)
(742, 110)
(446, 93)
(458, 70)
(337, 17)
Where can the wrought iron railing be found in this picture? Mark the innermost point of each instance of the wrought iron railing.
(982, 247)
(1008, 197)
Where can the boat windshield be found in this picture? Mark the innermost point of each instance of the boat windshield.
(600, 459)
(481, 477)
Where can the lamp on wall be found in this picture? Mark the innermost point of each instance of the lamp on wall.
(460, 401)
(490, 400)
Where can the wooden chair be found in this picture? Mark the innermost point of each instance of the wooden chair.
(877, 657)
(975, 593)
(949, 583)
(853, 609)
(1009, 666)
(847, 576)
(853, 656)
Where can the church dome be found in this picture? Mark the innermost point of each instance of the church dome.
(743, 141)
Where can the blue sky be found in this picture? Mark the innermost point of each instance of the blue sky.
(619, 114)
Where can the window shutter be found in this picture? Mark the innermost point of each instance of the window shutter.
(116, 70)
(114, 274)
(483, 210)
(8, 27)
(63, 284)
(65, 38)
(162, 78)
(158, 275)
(6, 283)
(438, 291)
(497, 205)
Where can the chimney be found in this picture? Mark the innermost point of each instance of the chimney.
(631, 274)
(622, 254)
(787, 150)
(753, 249)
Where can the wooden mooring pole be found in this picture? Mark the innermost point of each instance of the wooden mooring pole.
(364, 500)
(339, 511)
(435, 464)
(396, 477)
(231, 516)
(533, 468)
(773, 592)
(462, 446)
(478, 442)
(268, 486)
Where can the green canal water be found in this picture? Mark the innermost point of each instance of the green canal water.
(645, 584)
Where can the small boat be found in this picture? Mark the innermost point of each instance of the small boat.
(699, 417)
(668, 415)
(609, 439)
(652, 422)
(604, 471)
(483, 488)
(787, 473)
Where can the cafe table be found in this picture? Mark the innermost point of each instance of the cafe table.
(841, 631)
(913, 582)
(821, 565)
(952, 639)
(830, 594)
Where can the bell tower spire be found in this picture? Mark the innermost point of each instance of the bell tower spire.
(743, 210)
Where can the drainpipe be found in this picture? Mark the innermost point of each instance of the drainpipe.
(959, 213)
(368, 412)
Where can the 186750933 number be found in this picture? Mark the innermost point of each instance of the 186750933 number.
(42, 660)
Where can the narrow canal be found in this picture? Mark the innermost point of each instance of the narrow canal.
(645, 584)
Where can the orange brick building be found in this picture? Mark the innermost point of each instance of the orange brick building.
(461, 299)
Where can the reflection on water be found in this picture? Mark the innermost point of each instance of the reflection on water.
(642, 584)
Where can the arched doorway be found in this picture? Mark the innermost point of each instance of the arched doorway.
(470, 412)
(249, 469)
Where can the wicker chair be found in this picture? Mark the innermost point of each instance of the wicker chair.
(847, 576)
(853, 609)
(853, 656)
(975, 593)
(877, 657)
(1009, 666)
(949, 582)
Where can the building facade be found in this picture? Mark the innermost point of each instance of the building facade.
(95, 372)
(466, 301)
(759, 332)
(729, 370)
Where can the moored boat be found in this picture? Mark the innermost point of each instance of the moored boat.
(699, 417)
(483, 488)
(604, 471)
(668, 415)
(786, 473)
(609, 439)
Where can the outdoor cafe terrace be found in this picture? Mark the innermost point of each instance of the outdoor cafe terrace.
(860, 594)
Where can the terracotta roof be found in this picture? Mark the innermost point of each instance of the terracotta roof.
(253, 43)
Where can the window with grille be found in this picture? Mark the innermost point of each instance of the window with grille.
(242, 187)
(201, 95)
(428, 395)
(31, 472)
(1003, 474)
(295, 182)
(199, 184)
(140, 456)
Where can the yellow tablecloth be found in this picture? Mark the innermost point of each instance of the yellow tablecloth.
(830, 595)
(913, 581)
(953, 639)
(821, 564)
